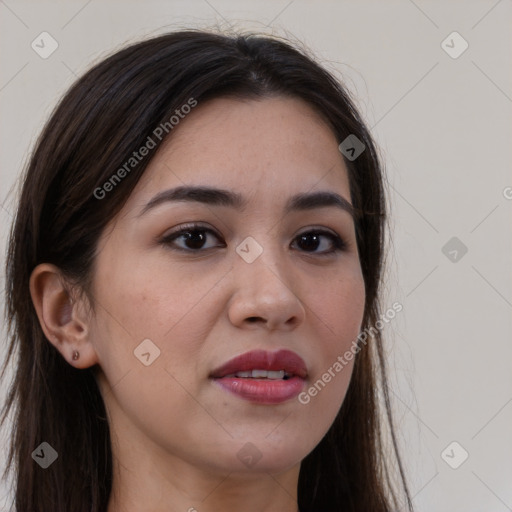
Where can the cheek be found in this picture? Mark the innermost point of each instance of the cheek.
(339, 309)
(338, 305)
(151, 300)
(147, 298)
(166, 307)
(344, 305)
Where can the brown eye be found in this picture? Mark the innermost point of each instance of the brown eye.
(310, 241)
(193, 238)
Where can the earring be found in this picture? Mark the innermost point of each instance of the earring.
(76, 355)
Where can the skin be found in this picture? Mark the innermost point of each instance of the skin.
(175, 434)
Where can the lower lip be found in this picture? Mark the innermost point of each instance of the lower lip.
(263, 391)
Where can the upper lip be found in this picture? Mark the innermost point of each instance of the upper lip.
(285, 360)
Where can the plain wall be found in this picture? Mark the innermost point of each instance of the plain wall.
(443, 126)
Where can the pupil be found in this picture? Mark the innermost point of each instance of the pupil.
(197, 240)
(314, 245)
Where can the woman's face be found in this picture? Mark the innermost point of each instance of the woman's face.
(172, 308)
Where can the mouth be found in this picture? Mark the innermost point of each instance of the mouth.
(263, 377)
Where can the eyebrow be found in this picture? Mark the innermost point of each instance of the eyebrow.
(220, 197)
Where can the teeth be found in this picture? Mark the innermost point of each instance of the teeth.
(276, 374)
(256, 374)
(261, 374)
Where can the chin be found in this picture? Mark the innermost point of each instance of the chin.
(253, 454)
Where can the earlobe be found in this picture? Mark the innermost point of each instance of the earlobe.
(62, 318)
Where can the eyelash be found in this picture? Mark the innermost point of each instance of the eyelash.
(338, 243)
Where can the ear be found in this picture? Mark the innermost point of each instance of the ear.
(63, 319)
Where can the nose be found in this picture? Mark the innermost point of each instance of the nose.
(264, 295)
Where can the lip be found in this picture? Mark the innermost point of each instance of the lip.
(263, 391)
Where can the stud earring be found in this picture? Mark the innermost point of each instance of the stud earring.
(76, 355)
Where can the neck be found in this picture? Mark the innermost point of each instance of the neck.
(189, 489)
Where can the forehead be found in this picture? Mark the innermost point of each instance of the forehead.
(275, 146)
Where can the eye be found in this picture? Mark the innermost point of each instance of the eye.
(194, 236)
(312, 239)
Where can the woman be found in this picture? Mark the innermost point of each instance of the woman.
(195, 257)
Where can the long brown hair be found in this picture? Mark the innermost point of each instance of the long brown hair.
(105, 116)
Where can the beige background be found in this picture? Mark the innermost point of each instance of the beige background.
(444, 128)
